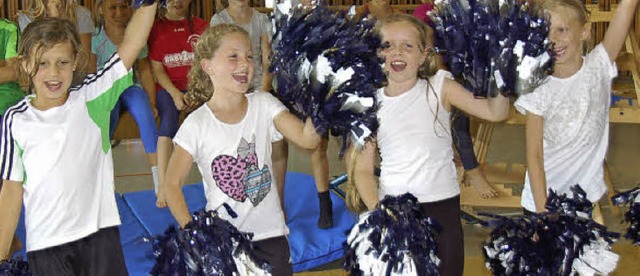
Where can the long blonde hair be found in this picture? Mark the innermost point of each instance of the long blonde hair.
(200, 86)
(353, 199)
(36, 9)
(40, 36)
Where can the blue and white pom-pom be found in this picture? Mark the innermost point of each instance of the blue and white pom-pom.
(632, 197)
(561, 241)
(14, 268)
(494, 45)
(394, 239)
(326, 68)
(208, 245)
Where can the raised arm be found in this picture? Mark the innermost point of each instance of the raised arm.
(617, 31)
(136, 34)
(491, 109)
(10, 204)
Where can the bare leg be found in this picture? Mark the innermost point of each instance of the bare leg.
(164, 151)
(320, 169)
(478, 180)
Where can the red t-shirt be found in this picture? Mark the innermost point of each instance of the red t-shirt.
(170, 42)
(421, 12)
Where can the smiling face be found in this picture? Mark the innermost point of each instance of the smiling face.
(568, 35)
(53, 74)
(403, 52)
(231, 67)
(116, 13)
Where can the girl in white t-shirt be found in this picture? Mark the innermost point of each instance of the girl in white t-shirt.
(567, 127)
(230, 138)
(55, 154)
(414, 139)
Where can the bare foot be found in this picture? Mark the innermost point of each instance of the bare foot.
(476, 178)
(161, 198)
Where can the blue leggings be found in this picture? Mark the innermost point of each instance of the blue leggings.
(462, 139)
(169, 114)
(135, 100)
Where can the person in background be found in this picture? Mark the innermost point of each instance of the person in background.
(171, 42)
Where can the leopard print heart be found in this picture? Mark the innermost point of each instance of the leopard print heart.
(229, 173)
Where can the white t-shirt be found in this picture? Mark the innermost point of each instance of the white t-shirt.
(258, 26)
(235, 163)
(576, 127)
(63, 157)
(415, 148)
(83, 20)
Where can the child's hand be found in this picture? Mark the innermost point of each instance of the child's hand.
(178, 100)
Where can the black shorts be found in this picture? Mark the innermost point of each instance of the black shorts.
(97, 254)
(276, 252)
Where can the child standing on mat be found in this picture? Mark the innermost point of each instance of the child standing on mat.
(171, 54)
(567, 117)
(112, 17)
(56, 156)
(414, 139)
(229, 137)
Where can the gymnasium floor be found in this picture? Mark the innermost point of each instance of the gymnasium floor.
(132, 174)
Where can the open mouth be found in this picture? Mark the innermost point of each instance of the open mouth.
(560, 51)
(241, 77)
(398, 65)
(53, 85)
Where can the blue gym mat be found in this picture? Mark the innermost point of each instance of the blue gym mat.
(310, 246)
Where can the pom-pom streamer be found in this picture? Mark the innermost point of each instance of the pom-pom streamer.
(14, 268)
(326, 68)
(562, 241)
(632, 197)
(493, 45)
(394, 239)
(208, 245)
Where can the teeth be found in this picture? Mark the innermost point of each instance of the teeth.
(398, 63)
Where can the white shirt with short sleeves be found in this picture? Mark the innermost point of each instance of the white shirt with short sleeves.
(576, 127)
(63, 157)
(235, 163)
(415, 145)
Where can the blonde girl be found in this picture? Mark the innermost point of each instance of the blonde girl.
(567, 125)
(414, 139)
(55, 153)
(230, 139)
(66, 9)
